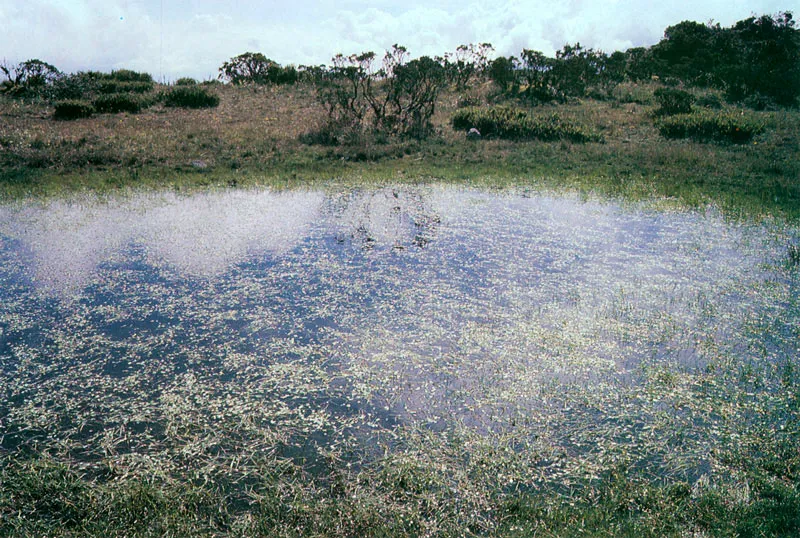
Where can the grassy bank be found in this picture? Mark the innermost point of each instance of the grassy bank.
(253, 137)
(427, 485)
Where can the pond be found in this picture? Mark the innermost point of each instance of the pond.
(164, 331)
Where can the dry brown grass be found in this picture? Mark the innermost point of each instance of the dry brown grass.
(255, 133)
(251, 124)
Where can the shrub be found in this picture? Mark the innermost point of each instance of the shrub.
(72, 109)
(126, 75)
(707, 125)
(254, 67)
(185, 81)
(758, 101)
(673, 101)
(31, 78)
(111, 85)
(79, 86)
(397, 99)
(515, 124)
(598, 93)
(190, 97)
(709, 100)
(118, 102)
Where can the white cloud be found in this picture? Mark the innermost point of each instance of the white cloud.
(199, 35)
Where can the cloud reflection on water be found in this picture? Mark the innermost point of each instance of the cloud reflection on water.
(201, 235)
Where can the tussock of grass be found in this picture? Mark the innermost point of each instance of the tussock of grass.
(118, 102)
(72, 109)
(708, 125)
(517, 124)
(111, 86)
(190, 96)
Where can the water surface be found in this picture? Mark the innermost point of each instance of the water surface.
(138, 329)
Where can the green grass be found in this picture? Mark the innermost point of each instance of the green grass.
(420, 493)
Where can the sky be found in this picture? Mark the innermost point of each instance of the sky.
(192, 38)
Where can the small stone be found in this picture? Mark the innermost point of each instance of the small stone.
(474, 134)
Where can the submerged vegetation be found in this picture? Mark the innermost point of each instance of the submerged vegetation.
(226, 368)
(184, 379)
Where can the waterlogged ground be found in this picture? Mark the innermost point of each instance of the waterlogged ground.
(536, 339)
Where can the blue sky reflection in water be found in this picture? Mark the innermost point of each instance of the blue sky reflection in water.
(314, 319)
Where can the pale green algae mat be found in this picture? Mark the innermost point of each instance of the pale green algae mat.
(205, 336)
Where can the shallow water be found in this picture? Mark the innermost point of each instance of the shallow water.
(317, 315)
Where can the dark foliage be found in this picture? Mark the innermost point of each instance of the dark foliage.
(576, 68)
(414, 97)
(713, 126)
(127, 75)
(190, 97)
(467, 63)
(255, 68)
(112, 85)
(574, 72)
(397, 98)
(709, 100)
(756, 56)
(640, 64)
(118, 102)
(81, 85)
(502, 72)
(72, 109)
(31, 78)
(516, 124)
(673, 101)
(756, 62)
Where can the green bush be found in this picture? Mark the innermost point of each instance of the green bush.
(254, 67)
(111, 85)
(118, 102)
(673, 101)
(758, 101)
(708, 125)
(516, 124)
(190, 97)
(31, 78)
(185, 81)
(72, 109)
(709, 100)
(80, 86)
(126, 75)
